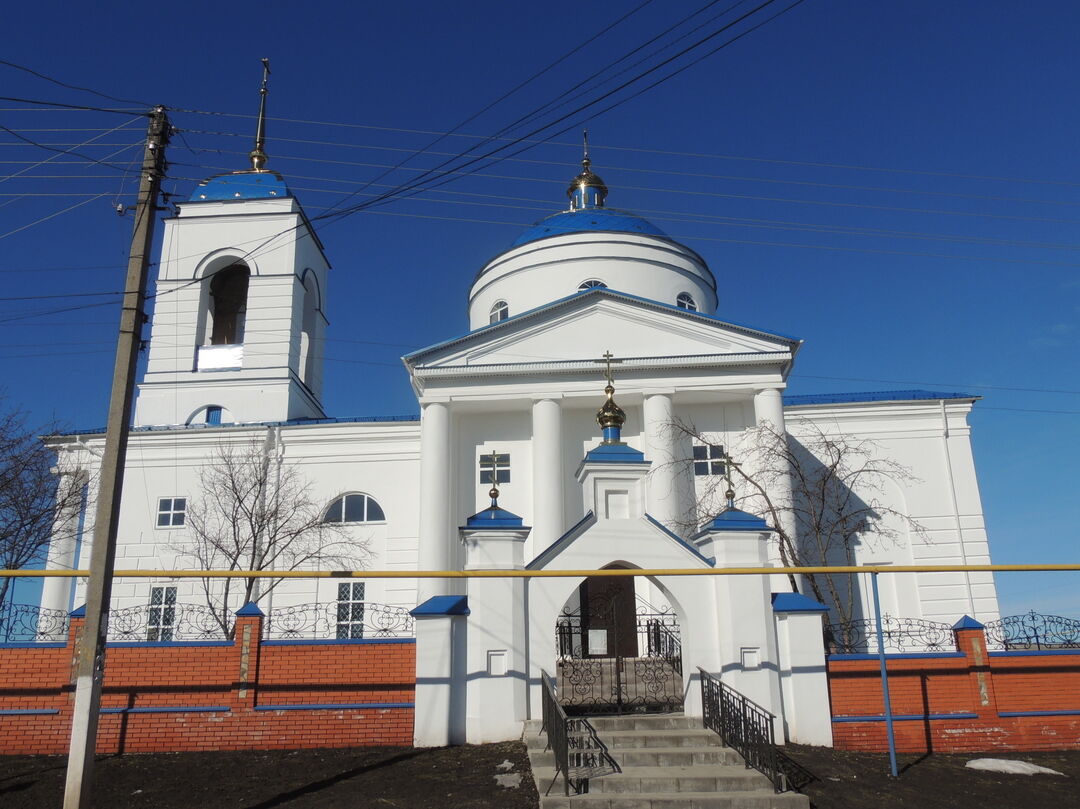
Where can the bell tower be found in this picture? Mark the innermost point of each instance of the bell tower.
(238, 313)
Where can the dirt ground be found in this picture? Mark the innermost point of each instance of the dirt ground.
(357, 778)
(466, 778)
(843, 780)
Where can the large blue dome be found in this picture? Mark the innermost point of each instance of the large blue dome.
(588, 220)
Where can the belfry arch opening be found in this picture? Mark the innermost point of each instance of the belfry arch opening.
(618, 652)
(227, 305)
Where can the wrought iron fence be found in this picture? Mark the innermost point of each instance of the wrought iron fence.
(1034, 631)
(556, 725)
(29, 623)
(340, 621)
(163, 623)
(744, 726)
(662, 642)
(898, 634)
(572, 635)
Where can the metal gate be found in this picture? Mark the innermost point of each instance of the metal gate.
(615, 657)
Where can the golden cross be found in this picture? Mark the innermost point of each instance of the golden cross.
(608, 357)
(729, 462)
(494, 473)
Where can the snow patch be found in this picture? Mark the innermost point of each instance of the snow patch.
(510, 780)
(1011, 766)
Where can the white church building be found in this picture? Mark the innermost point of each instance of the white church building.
(235, 358)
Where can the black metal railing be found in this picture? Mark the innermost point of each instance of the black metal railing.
(662, 642)
(1034, 631)
(29, 623)
(898, 634)
(339, 620)
(572, 634)
(556, 725)
(168, 622)
(744, 726)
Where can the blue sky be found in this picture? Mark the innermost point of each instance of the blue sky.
(893, 182)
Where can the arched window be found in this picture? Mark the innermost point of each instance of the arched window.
(228, 305)
(686, 301)
(354, 508)
(500, 310)
(592, 283)
(211, 415)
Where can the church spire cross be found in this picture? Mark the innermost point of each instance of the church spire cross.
(729, 463)
(610, 417)
(586, 190)
(585, 162)
(258, 154)
(494, 493)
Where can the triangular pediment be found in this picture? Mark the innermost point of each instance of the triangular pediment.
(585, 326)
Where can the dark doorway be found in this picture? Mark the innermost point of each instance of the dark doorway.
(616, 655)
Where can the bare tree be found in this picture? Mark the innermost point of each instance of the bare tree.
(37, 505)
(255, 511)
(823, 494)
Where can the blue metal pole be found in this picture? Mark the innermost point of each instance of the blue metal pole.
(884, 677)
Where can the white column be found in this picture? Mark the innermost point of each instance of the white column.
(667, 484)
(769, 410)
(548, 483)
(434, 535)
(66, 536)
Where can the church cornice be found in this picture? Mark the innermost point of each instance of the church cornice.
(588, 366)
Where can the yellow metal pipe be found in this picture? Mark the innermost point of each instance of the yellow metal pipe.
(533, 574)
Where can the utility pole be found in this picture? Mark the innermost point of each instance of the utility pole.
(90, 648)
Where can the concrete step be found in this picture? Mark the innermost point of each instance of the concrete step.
(693, 737)
(758, 799)
(703, 778)
(655, 756)
(658, 721)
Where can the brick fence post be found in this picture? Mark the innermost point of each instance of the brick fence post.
(971, 641)
(247, 644)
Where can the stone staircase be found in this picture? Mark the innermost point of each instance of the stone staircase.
(657, 761)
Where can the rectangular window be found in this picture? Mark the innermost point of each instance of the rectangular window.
(162, 614)
(171, 511)
(213, 415)
(350, 610)
(708, 460)
(502, 468)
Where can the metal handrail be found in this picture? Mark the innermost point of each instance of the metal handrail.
(555, 723)
(664, 643)
(744, 726)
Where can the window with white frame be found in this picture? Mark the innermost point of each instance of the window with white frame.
(171, 512)
(686, 301)
(708, 460)
(354, 508)
(502, 468)
(592, 283)
(500, 310)
(161, 617)
(350, 610)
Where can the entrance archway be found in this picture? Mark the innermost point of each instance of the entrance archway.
(616, 652)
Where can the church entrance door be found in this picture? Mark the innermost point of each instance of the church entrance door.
(616, 656)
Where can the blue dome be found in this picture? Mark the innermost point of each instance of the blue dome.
(241, 185)
(588, 220)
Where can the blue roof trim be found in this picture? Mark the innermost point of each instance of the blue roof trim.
(873, 396)
(288, 423)
(172, 709)
(333, 641)
(337, 706)
(680, 541)
(78, 612)
(442, 605)
(494, 518)
(614, 453)
(896, 655)
(241, 185)
(733, 519)
(29, 711)
(967, 622)
(796, 602)
(553, 550)
(249, 609)
(588, 220)
(609, 293)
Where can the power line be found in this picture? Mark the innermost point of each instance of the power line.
(72, 86)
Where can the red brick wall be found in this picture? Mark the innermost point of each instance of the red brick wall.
(246, 690)
(959, 702)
